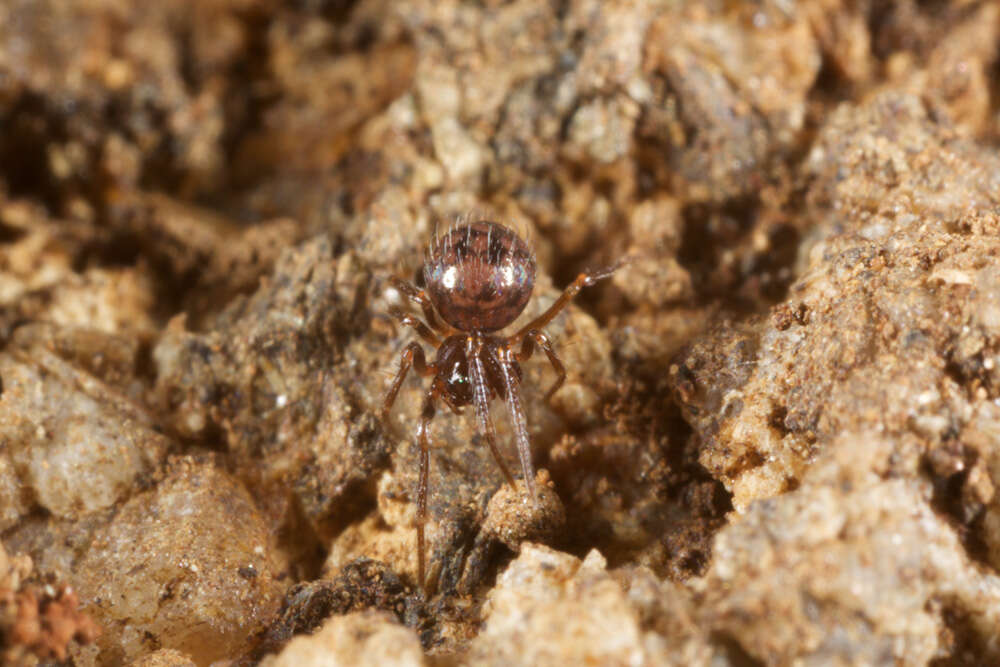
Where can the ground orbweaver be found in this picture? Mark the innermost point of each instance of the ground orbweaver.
(479, 277)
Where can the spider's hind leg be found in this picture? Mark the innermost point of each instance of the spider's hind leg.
(481, 399)
(512, 386)
(423, 439)
(535, 337)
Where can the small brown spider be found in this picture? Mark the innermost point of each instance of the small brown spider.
(479, 278)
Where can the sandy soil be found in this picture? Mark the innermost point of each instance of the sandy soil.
(779, 439)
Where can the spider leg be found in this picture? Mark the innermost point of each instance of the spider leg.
(443, 395)
(513, 390)
(413, 355)
(535, 337)
(585, 279)
(481, 399)
(412, 321)
(423, 439)
(419, 297)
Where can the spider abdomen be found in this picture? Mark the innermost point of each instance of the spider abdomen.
(479, 276)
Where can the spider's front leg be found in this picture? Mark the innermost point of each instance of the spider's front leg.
(413, 356)
(585, 279)
(414, 322)
(419, 297)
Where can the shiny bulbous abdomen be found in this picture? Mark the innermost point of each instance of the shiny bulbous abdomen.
(479, 276)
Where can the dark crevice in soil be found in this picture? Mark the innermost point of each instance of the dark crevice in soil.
(362, 584)
(649, 467)
(247, 105)
(335, 11)
(9, 234)
(734, 654)
(948, 467)
(830, 88)
(968, 646)
(711, 234)
(30, 126)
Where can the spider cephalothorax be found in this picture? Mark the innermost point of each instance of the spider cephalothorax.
(479, 278)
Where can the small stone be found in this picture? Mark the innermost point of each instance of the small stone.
(549, 608)
(512, 517)
(165, 657)
(78, 445)
(359, 639)
(168, 568)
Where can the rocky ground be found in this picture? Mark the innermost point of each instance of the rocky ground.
(779, 442)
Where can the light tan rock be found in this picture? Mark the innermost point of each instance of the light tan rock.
(165, 657)
(550, 608)
(360, 639)
(849, 569)
(189, 563)
(74, 445)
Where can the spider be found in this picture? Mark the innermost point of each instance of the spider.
(479, 277)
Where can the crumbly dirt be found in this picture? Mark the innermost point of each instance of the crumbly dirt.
(779, 438)
(38, 619)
